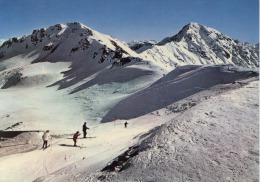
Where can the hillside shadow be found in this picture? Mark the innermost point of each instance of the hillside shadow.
(98, 72)
(172, 88)
(77, 73)
(118, 75)
(82, 138)
(66, 145)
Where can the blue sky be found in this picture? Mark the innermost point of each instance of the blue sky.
(133, 19)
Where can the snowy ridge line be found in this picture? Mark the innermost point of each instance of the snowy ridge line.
(198, 50)
(200, 88)
(179, 78)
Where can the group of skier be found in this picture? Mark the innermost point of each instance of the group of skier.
(76, 135)
(46, 135)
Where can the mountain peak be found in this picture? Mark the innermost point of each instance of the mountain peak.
(192, 30)
(194, 25)
(207, 45)
(77, 25)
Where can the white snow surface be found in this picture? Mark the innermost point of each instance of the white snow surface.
(60, 77)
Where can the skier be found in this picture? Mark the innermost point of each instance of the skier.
(45, 137)
(84, 129)
(126, 123)
(75, 137)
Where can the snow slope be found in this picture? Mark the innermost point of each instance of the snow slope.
(216, 140)
(39, 105)
(207, 125)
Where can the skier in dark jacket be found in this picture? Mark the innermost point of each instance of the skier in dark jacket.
(75, 137)
(84, 129)
(126, 123)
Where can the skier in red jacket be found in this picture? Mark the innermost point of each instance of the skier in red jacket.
(75, 137)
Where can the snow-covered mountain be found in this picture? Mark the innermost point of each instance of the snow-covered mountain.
(89, 51)
(68, 39)
(60, 77)
(199, 44)
(88, 65)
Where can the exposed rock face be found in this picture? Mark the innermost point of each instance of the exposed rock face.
(140, 46)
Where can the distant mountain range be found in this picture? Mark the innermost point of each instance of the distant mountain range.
(88, 59)
(194, 44)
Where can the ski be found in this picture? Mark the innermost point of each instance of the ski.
(80, 147)
(89, 137)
